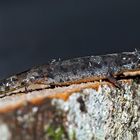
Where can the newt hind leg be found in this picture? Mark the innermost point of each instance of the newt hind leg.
(113, 80)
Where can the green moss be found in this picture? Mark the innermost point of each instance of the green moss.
(72, 135)
(55, 133)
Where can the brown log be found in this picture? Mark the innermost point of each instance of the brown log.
(78, 107)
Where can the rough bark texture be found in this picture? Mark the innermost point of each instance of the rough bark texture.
(99, 111)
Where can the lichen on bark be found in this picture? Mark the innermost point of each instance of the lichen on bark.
(103, 113)
(109, 113)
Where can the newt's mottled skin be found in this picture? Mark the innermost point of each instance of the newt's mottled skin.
(75, 70)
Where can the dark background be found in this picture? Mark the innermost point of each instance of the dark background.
(31, 33)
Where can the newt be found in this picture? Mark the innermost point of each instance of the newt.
(77, 70)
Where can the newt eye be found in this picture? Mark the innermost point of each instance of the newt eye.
(13, 78)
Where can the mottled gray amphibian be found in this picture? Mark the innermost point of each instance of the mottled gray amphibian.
(77, 70)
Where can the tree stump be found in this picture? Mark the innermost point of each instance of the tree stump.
(93, 111)
(93, 98)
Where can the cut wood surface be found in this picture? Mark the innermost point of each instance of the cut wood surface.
(17, 99)
(95, 110)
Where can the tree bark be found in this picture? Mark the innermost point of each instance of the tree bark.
(92, 111)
